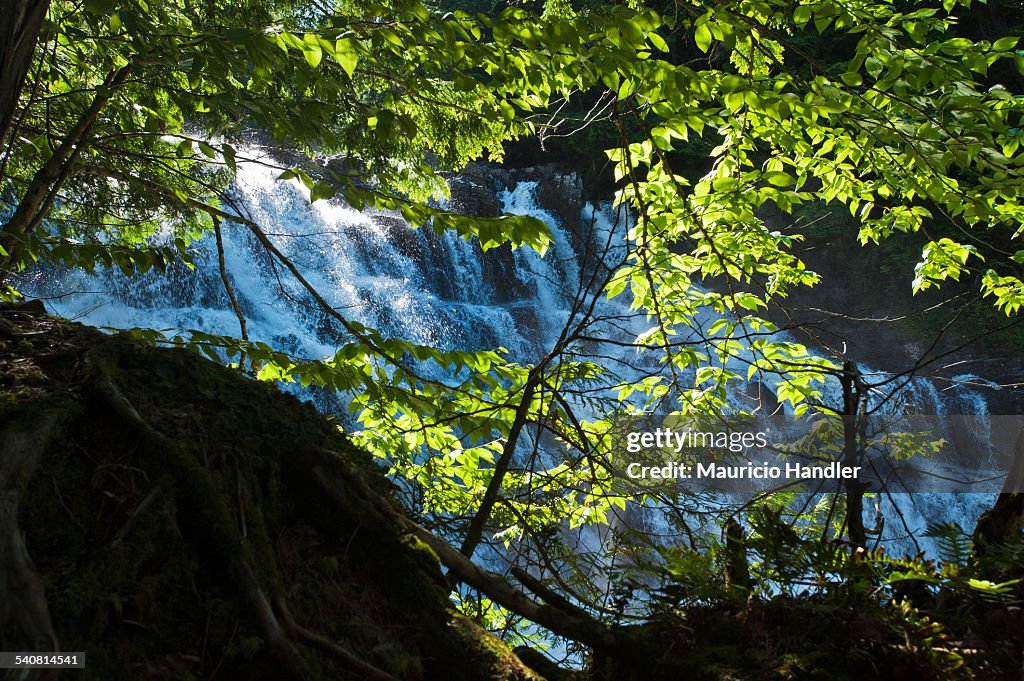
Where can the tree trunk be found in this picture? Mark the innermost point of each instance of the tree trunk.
(22, 20)
(21, 591)
(38, 197)
(852, 395)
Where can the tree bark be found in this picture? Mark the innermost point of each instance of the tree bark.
(47, 181)
(21, 591)
(852, 396)
(21, 21)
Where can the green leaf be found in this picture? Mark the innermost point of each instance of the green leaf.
(780, 178)
(311, 49)
(748, 301)
(702, 37)
(229, 156)
(321, 190)
(616, 286)
(100, 7)
(801, 15)
(508, 112)
(657, 42)
(1005, 43)
(347, 55)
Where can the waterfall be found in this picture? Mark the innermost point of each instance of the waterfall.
(408, 283)
(437, 290)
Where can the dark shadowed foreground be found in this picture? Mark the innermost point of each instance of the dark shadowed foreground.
(187, 523)
(175, 520)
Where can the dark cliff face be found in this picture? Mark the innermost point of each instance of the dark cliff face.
(184, 522)
(864, 306)
(863, 309)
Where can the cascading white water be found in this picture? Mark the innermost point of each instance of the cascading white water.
(373, 268)
(425, 288)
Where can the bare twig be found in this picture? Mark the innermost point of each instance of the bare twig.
(227, 284)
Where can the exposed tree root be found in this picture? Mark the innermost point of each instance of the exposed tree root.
(276, 623)
(223, 537)
(284, 650)
(21, 592)
(336, 476)
(339, 651)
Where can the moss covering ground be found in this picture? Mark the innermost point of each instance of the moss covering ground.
(140, 536)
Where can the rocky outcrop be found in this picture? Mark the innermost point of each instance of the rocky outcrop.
(475, 191)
